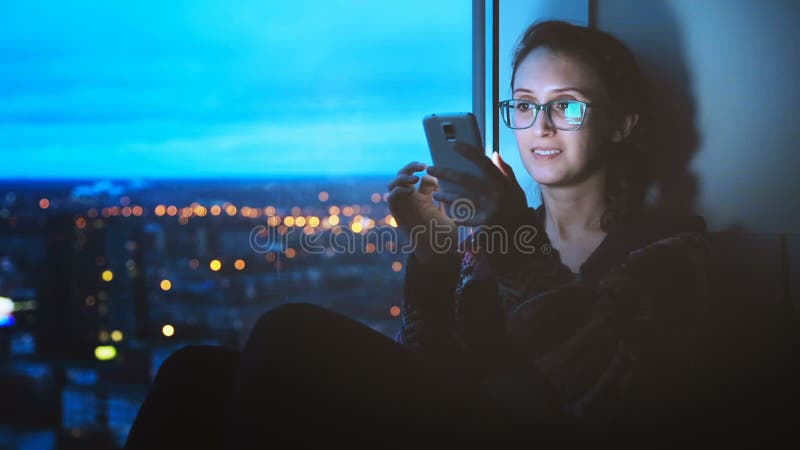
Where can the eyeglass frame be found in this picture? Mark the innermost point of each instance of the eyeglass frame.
(546, 107)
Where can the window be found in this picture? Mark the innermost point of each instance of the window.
(162, 161)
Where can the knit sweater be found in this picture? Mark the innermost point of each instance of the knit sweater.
(616, 340)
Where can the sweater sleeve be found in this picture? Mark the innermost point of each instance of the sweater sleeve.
(427, 309)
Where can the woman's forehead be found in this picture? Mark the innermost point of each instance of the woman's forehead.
(545, 71)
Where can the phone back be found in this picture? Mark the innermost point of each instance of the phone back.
(442, 130)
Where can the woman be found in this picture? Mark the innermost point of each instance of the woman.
(588, 330)
(494, 345)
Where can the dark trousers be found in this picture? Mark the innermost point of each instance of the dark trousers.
(309, 377)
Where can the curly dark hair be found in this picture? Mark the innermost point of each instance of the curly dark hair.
(629, 175)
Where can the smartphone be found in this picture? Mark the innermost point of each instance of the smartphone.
(442, 130)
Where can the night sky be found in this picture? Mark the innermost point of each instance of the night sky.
(195, 89)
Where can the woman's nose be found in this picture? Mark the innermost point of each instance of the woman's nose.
(542, 125)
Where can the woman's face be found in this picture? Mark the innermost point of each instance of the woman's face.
(543, 76)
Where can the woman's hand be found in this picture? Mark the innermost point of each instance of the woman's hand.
(415, 212)
(494, 199)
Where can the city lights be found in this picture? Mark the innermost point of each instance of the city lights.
(323, 196)
(333, 220)
(160, 210)
(107, 275)
(389, 219)
(375, 197)
(44, 203)
(166, 285)
(215, 265)
(216, 210)
(334, 210)
(291, 253)
(300, 221)
(6, 306)
(105, 352)
(116, 336)
(288, 221)
(168, 330)
(239, 264)
(356, 227)
(230, 210)
(397, 266)
(172, 210)
(394, 311)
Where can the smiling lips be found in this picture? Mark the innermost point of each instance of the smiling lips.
(545, 153)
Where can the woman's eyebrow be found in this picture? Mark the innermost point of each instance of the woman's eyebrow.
(556, 91)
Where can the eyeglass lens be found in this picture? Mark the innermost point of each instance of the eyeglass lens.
(564, 114)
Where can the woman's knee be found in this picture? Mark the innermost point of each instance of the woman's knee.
(197, 362)
(289, 319)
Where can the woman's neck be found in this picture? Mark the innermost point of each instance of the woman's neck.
(572, 212)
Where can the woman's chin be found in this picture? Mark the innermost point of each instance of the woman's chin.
(547, 179)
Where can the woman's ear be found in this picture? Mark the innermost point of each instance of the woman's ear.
(626, 125)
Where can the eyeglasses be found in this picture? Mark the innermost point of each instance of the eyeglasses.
(563, 114)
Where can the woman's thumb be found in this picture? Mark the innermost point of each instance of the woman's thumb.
(503, 166)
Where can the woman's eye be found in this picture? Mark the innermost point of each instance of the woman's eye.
(524, 107)
(562, 106)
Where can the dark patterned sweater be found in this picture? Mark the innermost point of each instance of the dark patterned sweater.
(615, 340)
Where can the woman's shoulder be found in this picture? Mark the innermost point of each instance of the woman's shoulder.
(643, 230)
(664, 224)
(659, 231)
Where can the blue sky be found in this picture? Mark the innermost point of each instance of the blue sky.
(182, 89)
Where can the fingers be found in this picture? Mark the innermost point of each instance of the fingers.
(403, 184)
(477, 156)
(400, 190)
(411, 167)
(503, 166)
(403, 180)
(396, 192)
(429, 184)
(463, 179)
(444, 200)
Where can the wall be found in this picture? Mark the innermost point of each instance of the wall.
(724, 77)
(729, 70)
